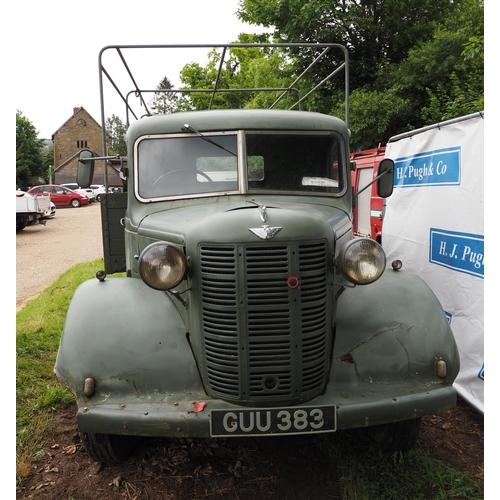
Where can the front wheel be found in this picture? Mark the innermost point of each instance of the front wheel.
(75, 203)
(399, 436)
(109, 448)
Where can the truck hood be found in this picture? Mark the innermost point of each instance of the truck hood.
(244, 221)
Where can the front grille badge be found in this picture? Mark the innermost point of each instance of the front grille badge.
(265, 232)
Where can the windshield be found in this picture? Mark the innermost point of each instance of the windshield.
(288, 163)
(293, 162)
(173, 166)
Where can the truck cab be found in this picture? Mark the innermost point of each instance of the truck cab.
(247, 307)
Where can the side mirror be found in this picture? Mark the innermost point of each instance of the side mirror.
(385, 182)
(85, 172)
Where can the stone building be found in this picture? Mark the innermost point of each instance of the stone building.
(80, 131)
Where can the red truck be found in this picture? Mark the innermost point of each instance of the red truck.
(367, 211)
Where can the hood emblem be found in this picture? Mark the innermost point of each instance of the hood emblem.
(263, 213)
(265, 232)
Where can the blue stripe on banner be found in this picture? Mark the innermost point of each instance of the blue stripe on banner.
(462, 252)
(440, 167)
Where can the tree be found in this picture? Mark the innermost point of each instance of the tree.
(116, 131)
(439, 78)
(164, 102)
(250, 68)
(412, 62)
(374, 31)
(29, 157)
(48, 162)
(374, 114)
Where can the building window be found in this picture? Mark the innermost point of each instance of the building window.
(81, 123)
(81, 144)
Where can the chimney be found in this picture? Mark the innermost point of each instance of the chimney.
(75, 110)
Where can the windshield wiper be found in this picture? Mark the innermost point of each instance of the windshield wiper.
(187, 127)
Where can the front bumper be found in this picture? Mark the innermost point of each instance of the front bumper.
(176, 416)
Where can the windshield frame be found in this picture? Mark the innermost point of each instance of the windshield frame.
(242, 168)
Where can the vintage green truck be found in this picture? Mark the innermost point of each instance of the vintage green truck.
(248, 308)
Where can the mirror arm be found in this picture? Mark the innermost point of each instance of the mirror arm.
(388, 171)
(91, 158)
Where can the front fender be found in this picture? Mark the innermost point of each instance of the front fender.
(391, 332)
(129, 338)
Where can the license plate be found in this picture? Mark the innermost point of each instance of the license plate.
(273, 421)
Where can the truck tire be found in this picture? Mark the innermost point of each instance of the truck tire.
(21, 223)
(109, 448)
(399, 436)
(75, 203)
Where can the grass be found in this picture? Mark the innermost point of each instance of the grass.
(367, 473)
(362, 471)
(38, 395)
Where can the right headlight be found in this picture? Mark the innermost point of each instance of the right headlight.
(162, 266)
(361, 261)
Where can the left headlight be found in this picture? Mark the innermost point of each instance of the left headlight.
(361, 261)
(162, 266)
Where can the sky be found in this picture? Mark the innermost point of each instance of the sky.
(56, 45)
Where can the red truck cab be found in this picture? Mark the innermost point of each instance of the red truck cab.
(367, 213)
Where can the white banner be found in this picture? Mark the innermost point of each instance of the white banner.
(434, 223)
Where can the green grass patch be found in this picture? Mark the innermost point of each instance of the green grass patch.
(38, 395)
(364, 472)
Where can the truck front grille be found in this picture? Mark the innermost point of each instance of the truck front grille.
(265, 340)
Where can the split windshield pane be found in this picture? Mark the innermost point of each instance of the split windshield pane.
(287, 163)
(173, 166)
(294, 162)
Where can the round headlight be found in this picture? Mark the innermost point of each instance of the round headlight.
(361, 261)
(162, 266)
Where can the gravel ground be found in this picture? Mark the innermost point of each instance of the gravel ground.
(43, 253)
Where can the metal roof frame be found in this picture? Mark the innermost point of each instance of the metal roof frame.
(139, 93)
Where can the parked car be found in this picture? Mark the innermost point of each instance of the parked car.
(61, 196)
(50, 213)
(88, 192)
(98, 190)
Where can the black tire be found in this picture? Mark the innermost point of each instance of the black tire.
(109, 448)
(399, 436)
(98, 197)
(75, 203)
(21, 223)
